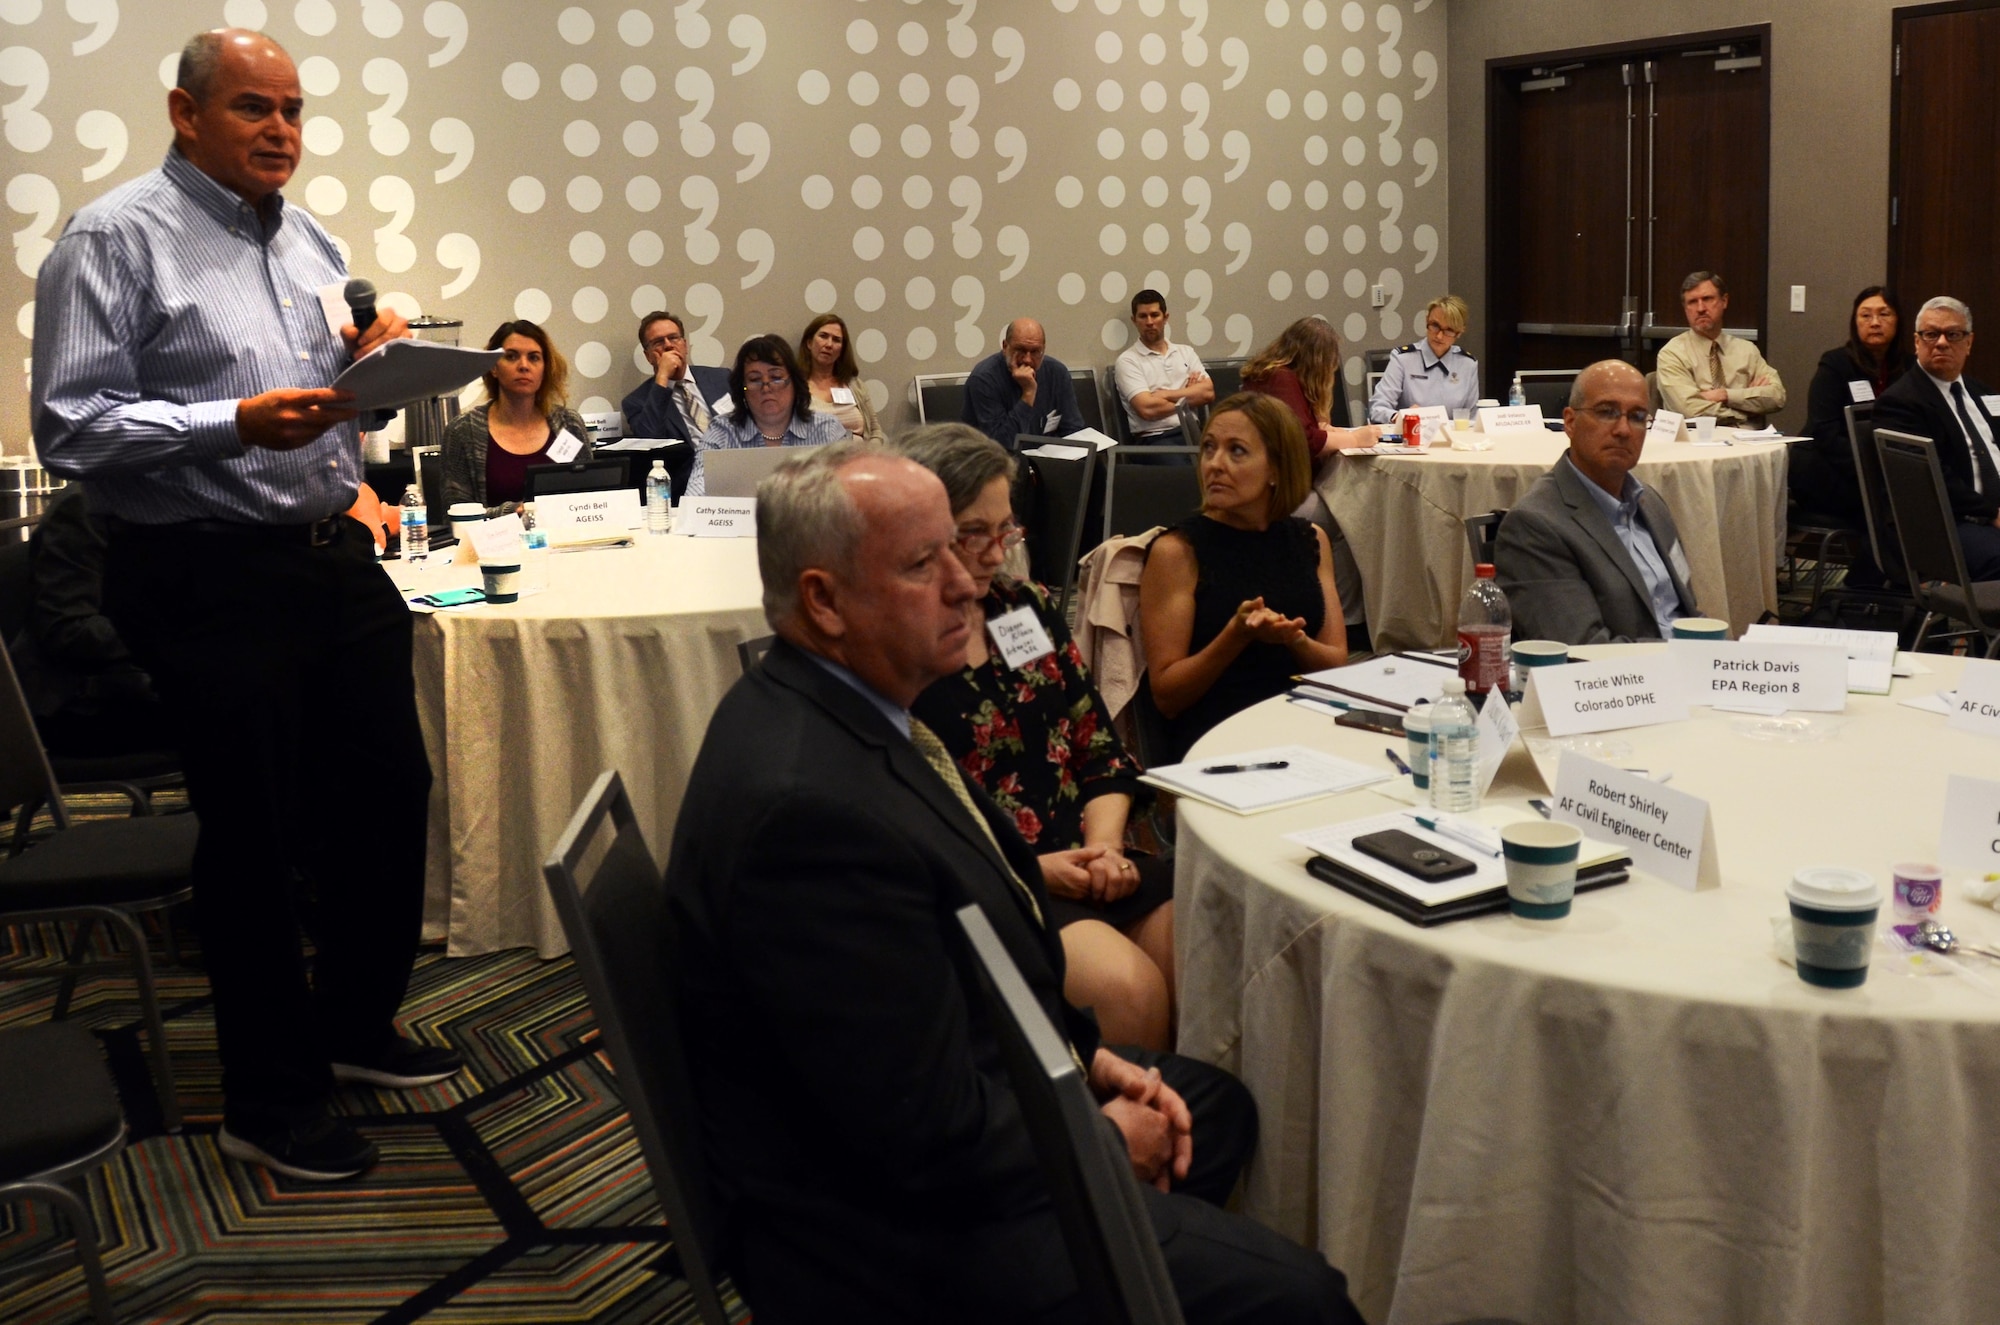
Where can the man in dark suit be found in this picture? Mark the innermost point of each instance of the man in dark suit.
(1591, 554)
(861, 1126)
(678, 399)
(1962, 418)
(1021, 389)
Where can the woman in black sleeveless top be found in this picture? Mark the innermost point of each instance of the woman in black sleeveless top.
(1237, 600)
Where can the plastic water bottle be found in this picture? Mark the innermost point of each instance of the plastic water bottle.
(415, 528)
(1454, 751)
(1517, 394)
(1485, 630)
(659, 499)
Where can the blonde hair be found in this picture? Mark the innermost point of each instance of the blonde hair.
(1284, 446)
(1310, 347)
(1454, 310)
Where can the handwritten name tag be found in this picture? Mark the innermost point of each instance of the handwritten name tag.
(842, 395)
(1610, 694)
(1806, 677)
(1666, 832)
(1511, 418)
(1020, 636)
(582, 517)
(498, 542)
(1861, 391)
(718, 517)
(1992, 404)
(1666, 427)
(565, 446)
(1977, 706)
(1051, 421)
(722, 406)
(1971, 837)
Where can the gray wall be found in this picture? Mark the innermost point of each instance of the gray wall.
(929, 169)
(1830, 76)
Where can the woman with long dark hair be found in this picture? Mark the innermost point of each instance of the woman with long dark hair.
(1821, 475)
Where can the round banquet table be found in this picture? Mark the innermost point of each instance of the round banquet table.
(1636, 1113)
(1403, 517)
(617, 664)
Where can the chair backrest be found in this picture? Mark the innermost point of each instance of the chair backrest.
(1377, 360)
(1550, 391)
(1369, 383)
(25, 774)
(1924, 524)
(750, 652)
(599, 475)
(1088, 401)
(1874, 495)
(1654, 400)
(437, 511)
(940, 397)
(1059, 521)
(1480, 533)
(1139, 494)
(17, 584)
(1226, 374)
(1192, 421)
(1104, 1222)
(615, 927)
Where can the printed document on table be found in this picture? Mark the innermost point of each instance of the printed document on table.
(640, 444)
(1393, 680)
(1094, 437)
(401, 372)
(1307, 774)
(1871, 654)
(1051, 451)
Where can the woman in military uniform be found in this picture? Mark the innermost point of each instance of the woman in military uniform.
(1432, 371)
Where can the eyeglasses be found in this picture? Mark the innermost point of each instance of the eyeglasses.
(1609, 414)
(664, 342)
(977, 541)
(1952, 337)
(766, 383)
(1439, 329)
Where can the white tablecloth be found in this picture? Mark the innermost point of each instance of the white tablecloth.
(1636, 1114)
(617, 665)
(1404, 519)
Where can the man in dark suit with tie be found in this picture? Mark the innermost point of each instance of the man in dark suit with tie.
(677, 400)
(1962, 418)
(861, 1127)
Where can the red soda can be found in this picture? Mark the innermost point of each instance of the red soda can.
(1413, 430)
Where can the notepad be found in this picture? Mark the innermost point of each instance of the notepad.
(400, 372)
(1395, 681)
(1336, 843)
(1307, 774)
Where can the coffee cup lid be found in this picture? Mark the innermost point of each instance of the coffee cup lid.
(460, 509)
(1419, 716)
(1835, 888)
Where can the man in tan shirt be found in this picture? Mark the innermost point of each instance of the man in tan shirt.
(1707, 371)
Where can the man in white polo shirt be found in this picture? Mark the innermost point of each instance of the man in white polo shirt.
(1156, 377)
(1962, 417)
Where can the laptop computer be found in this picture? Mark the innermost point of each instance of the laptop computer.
(737, 472)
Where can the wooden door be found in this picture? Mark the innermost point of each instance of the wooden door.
(1944, 158)
(1710, 181)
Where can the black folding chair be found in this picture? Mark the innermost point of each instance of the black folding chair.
(1481, 531)
(1139, 495)
(437, 511)
(750, 652)
(1104, 1222)
(1875, 516)
(1084, 382)
(1549, 388)
(1226, 374)
(941, 397)
(614, 927)
(1928, 533)
(605, 474)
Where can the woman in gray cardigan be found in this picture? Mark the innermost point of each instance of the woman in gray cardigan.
(487, 451)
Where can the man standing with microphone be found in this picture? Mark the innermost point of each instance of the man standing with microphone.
(181, 357)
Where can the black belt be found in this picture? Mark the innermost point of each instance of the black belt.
(313, 533)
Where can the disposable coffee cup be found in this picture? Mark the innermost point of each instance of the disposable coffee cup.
(1528, 654)
(1833, 924)
(1541, 868)
(464, 515)
(1703, 428)
(503, 583)
(1917, 890)
(1700, 627)
(1417, 741)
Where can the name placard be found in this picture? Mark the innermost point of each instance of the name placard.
(1971, 836)
(498, 542)
(718, 517)
(1755, 674)
(1666, 831)
(1497, 730)
(1433, 420)
(1977, 705)
(587, 517)
(1666, 427)
(1610, 694)
(1511, 418)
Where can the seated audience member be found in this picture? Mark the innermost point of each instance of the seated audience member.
(1962, 418)
(770, 406)
(1238, 599)
(1432, 371)
(1156, 377)
(1591, 554)
(1036, 737)
(87, 695)
(488, 449)
(860, 1127)
(1705, 371)
(1302, 369)
(835, 378)
(678, 399)
(1021, 389)
(1821, 470)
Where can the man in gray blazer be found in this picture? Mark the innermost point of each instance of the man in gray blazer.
(1591, 554)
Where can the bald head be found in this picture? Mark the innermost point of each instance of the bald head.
(235, 110)
(1023, 348)
(1599, 374)
(201, 58)
(1606, 422)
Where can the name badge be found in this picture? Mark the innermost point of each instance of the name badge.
(565, 446)
(1862, 391)
(333, 305)
(1971, 836)
(1976, 707)
(587, 517)
(1604, 696)
(722, 406)
(1677, 557)
(1666, 832)
(1666, 427)
(842, 395)
(1992, 404)
(1809, 678)
(1020, 637)
(1053, 420)
(718, 517)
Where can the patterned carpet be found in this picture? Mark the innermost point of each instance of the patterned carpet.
(513, 1193)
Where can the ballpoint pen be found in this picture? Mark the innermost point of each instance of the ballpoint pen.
(1464, 836)
(1248, 768)
(1396, 759)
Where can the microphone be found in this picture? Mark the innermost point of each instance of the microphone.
(360, 294)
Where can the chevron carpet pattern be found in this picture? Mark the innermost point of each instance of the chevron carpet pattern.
(512, 1194)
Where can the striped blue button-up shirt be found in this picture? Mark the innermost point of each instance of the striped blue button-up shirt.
(163, 304)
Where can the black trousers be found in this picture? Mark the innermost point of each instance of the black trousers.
(285, 671)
